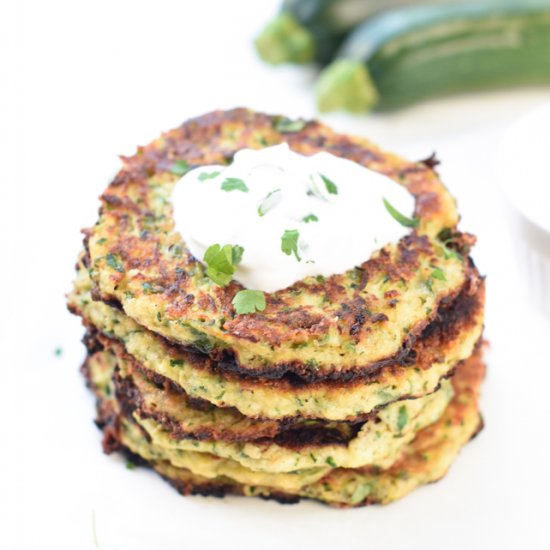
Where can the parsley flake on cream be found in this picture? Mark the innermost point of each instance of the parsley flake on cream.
(271, 200)
(401, 218)
(234, 184)
(289, 243)
(330, 185)
(203, 176)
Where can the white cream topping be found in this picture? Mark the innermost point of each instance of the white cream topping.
(283, 189)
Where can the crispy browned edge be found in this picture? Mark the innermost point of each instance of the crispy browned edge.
(108, 421)
(183, 143)
(286, 430)
(456, 319)
(289, 433)
(449, 322)
(470, 376)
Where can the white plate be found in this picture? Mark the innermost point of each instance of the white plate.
(92, 81)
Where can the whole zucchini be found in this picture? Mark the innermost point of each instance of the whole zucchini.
(408, 54)
(312, 30)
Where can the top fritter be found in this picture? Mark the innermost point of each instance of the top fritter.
(321, 327)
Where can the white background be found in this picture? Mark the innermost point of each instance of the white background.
(83, 81)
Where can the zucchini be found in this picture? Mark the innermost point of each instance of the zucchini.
(312, 30)
(409, 54)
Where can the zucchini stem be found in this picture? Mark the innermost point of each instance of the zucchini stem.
(284, 40)
(346, 85)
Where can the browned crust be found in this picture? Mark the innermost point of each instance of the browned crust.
(466, 382)
(221, 490)
(449, 322)
(108, 421)
(454, 310)
(265, 428)
(352, 317)
(292, 433)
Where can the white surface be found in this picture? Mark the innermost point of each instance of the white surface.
(88, 80)
(523, 158)
(522, 161)
(354, 214)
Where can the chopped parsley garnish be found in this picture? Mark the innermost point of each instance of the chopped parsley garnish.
(176, 362)
(130, 466)
(150, 288)
(179, 168)
(402, 418)
(448, 254)
(286, 126)
(429, 284)
(314, 190)
(330, 185)
(237, 254)
(401, 218)
(271, 200)
(249, 301)
(114, 263)
(203, 176)
(221, 262)
(310, 218)
(102, 240)
(147, 288)
(289, 243)
(438, 274)
(330, 462)
(446, 236)
(234, 184)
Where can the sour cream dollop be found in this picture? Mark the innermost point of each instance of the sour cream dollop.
(335, 205)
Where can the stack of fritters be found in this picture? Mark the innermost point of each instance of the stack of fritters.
(350, 389)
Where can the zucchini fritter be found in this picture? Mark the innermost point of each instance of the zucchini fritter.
(448, 340)
(303, 445)
(425, 459)
(339, 327)
(350, 389)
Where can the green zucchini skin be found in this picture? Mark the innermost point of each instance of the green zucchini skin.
(329, 21)
(313, 30)
(410, 54)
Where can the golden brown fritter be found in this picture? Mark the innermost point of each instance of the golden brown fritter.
(426, 459)
(337, 327)
(449, 339)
